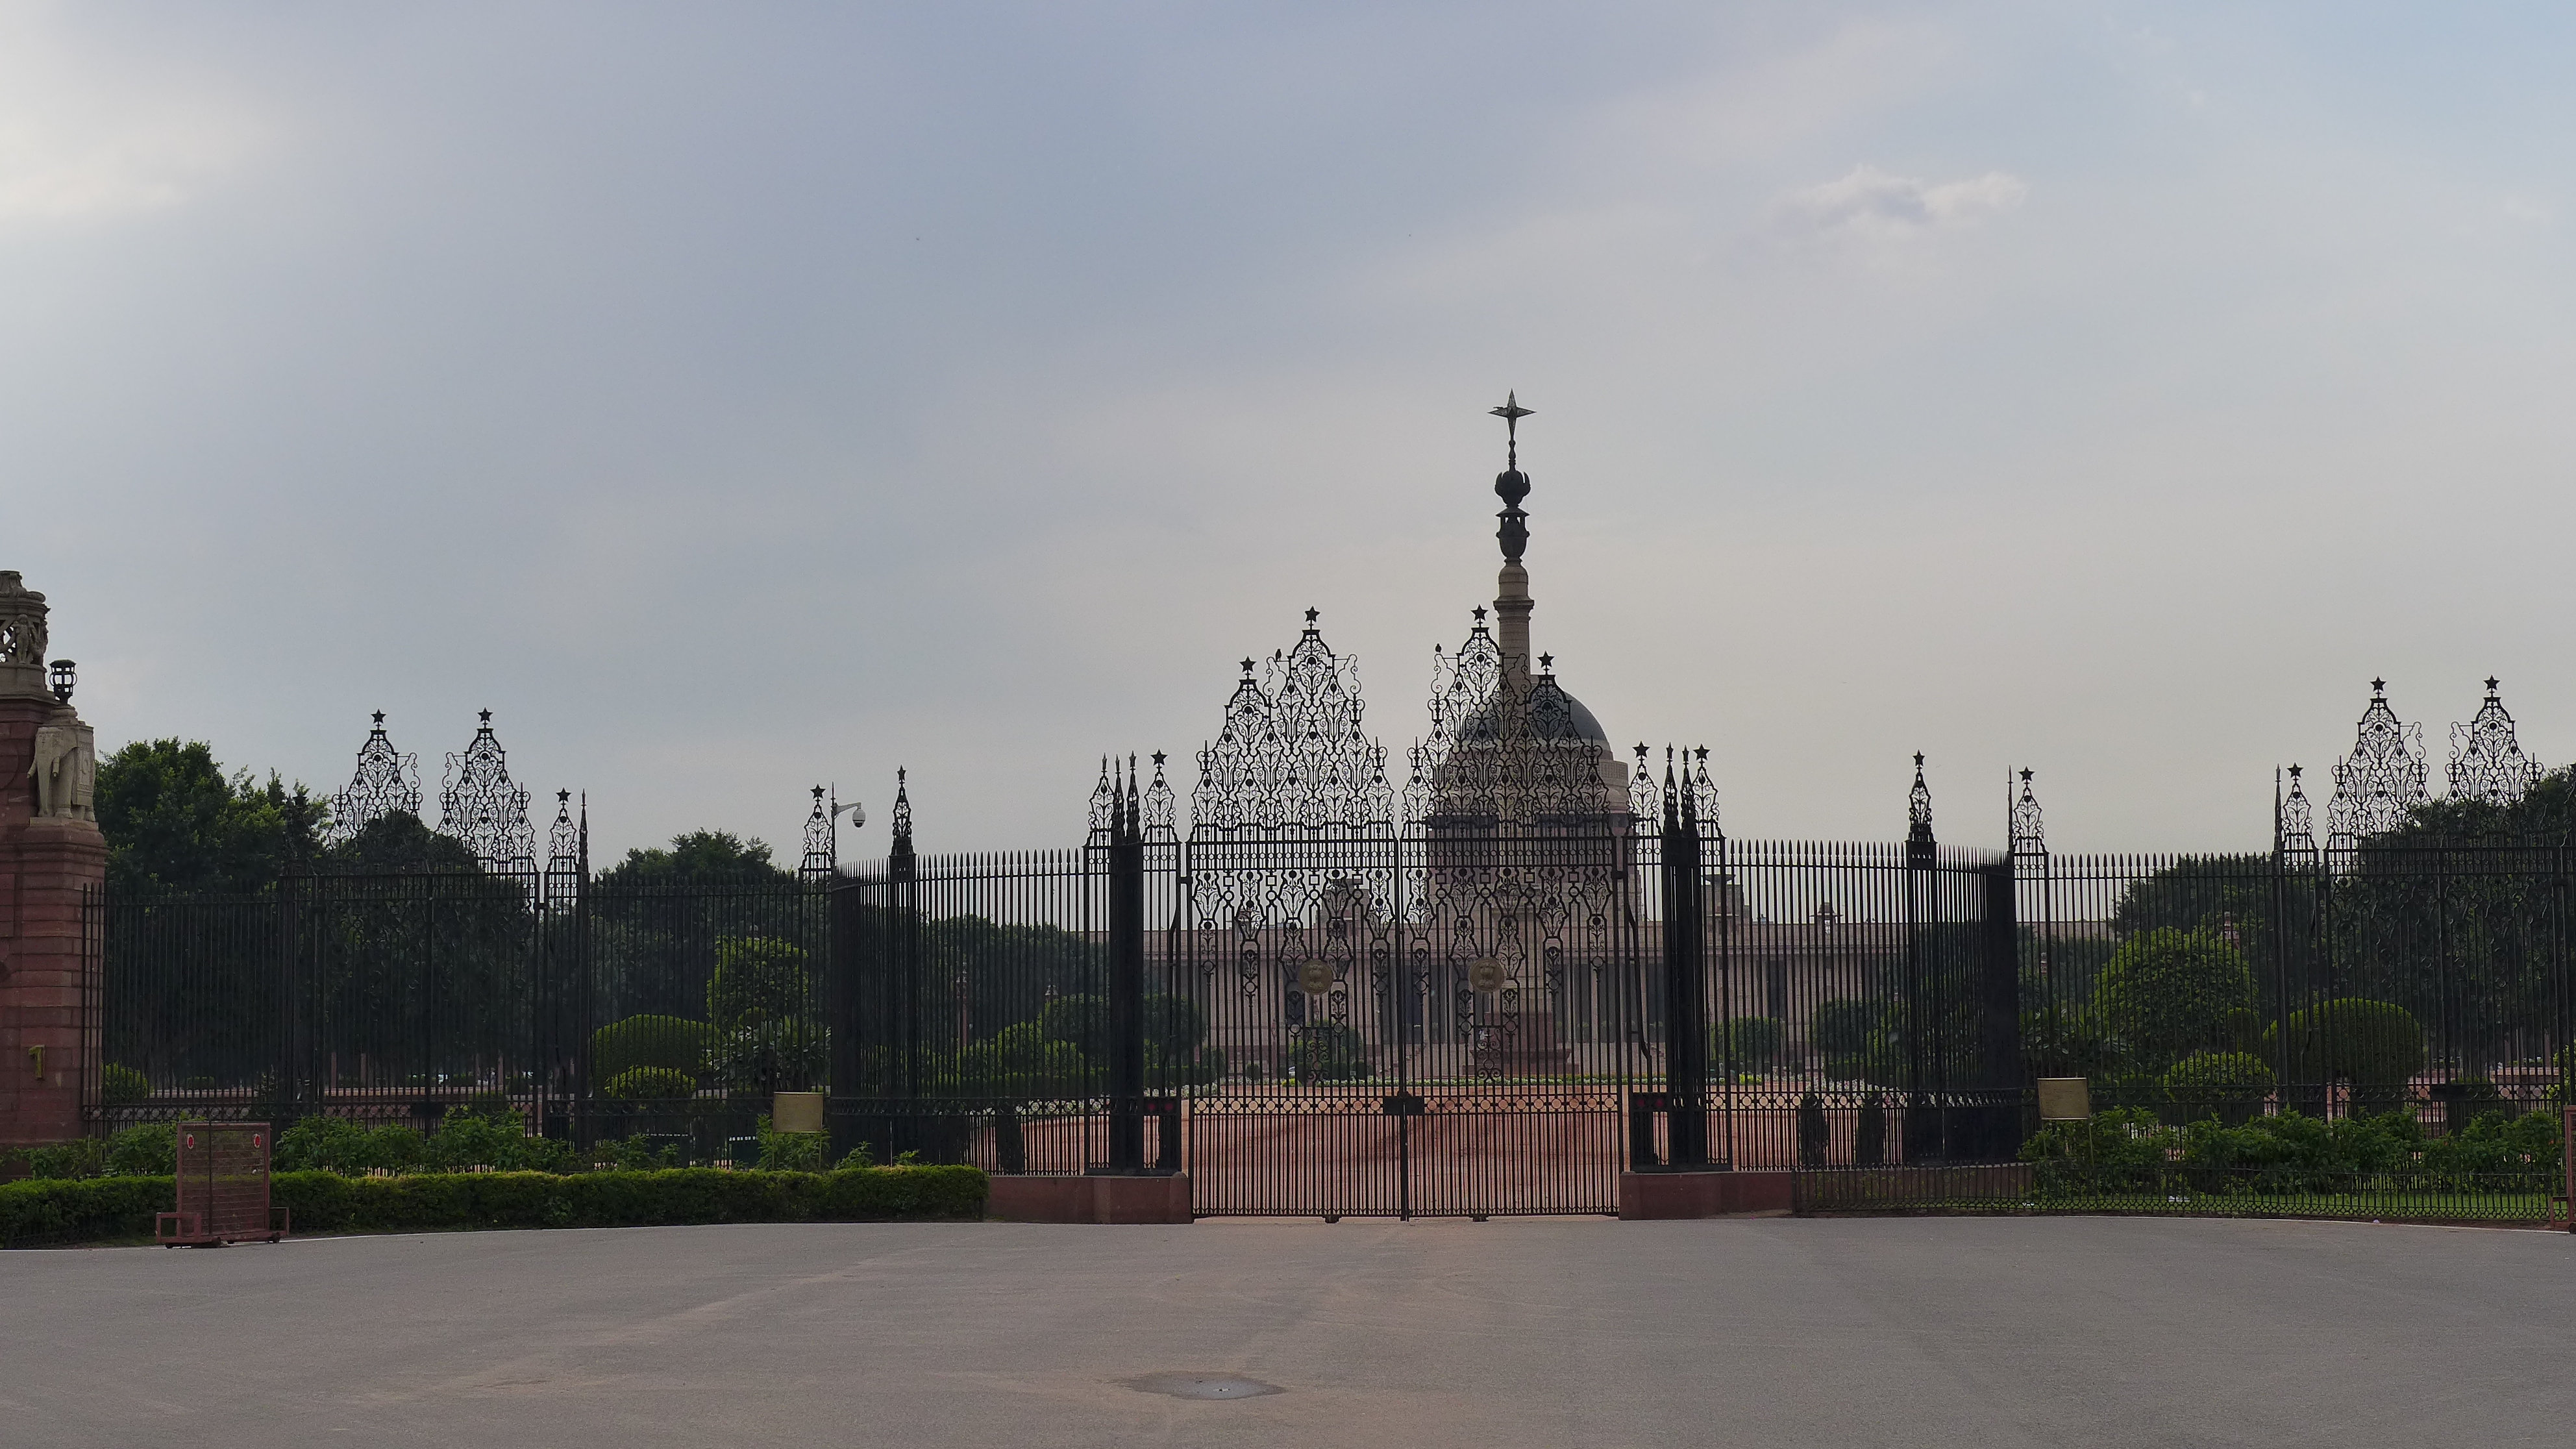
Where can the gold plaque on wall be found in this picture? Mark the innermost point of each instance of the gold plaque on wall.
(1316, 977)
(2064, 1099)
(1486, 976)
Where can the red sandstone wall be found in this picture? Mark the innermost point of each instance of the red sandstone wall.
(44, 866)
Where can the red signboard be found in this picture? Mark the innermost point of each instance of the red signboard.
(222, 1187)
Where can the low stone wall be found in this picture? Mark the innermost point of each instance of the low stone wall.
(1161, 1198)
(1899, 1189)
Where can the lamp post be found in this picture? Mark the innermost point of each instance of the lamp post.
(63, 679)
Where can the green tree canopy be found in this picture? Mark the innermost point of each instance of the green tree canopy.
(2167, 993)
(758, 980)
(400, 841)
(175, 822)
(698, 858)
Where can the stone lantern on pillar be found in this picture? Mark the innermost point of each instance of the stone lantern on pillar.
(51, 858)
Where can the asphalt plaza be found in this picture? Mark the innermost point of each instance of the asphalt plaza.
(1773, 1332)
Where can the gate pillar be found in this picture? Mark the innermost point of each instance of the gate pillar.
(1127, 982)
(53, 862)
(1685, 983)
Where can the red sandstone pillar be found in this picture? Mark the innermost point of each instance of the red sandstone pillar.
(50, 854)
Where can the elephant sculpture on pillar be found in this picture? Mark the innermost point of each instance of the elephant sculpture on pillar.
(65, 770)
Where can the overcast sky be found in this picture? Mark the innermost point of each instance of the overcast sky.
(735, 398)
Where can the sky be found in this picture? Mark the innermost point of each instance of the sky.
(734, 399)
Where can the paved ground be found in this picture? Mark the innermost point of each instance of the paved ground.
(1934, 1332)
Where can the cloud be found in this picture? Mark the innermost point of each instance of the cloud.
(1871, 208)
(81, 141)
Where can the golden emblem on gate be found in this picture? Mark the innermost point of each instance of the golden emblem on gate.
(1316, 977)
(1486, 976)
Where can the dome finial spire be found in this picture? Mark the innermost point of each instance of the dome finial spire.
(1512, 485)
(1511, 412)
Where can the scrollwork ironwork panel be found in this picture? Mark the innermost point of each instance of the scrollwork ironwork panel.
(481, 808)
(2382, 781)
(387, 782)
(2487, 762)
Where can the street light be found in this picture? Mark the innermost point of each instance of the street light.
(63, 681)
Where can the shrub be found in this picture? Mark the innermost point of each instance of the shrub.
(765, 1055)
(123, 1207)
(64, 1210)
(2498, 1142)
(2122, 1149)
(1080, 1022)
(757, 979)
(341, 1144)
(122, 1086)
(1842, 1028)
(651, 1084)
(467, 1139)
(150, 1149)
(2071, 1046)
(2371, 1044)
(1815, 1134)
(1869, 1135)
(1017, 1061)
(2166, 993)
(1330, 1052)
(1751, 1042)
(63, 1161)
(792, 1151)
(637, 1153)
(673, 1043)
(2233, 1084)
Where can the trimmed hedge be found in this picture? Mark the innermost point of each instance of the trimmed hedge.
(324, 1202)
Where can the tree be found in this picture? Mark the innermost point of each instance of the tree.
(175, 822)
(400, 842)
(2168, 992)
(698, 858)
(757, 979)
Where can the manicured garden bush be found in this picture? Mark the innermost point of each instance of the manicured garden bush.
(2126, 1150)
(120, 1085)
(1869, 1136)
(1753, 1043)
(791, 1151)
(134, 1152)
(123, 1207)
(150, 1149)
(73, 1210)
(651, 1084)
(1815, 1133)
(2375, 1045)
(673, 1043)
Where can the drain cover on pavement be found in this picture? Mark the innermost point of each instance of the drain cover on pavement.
(1203, 1386)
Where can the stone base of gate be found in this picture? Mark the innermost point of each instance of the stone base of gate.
(1157, 1198)
(1657, 1195)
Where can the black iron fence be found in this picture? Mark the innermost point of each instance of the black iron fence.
(1469, 1021)
(597, 1011)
